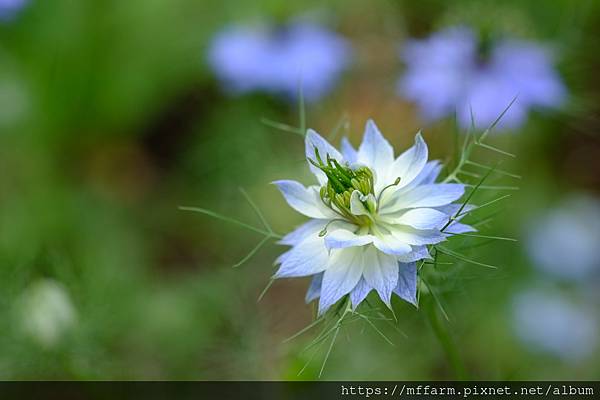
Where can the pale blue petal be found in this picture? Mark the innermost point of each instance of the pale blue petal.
(433, 195)
(341, 276)
(359, 293)
(428, 175)
(315, 141)
(310, 228)
(304, 200)
(314, 290)
(406, 288)
(348, 151)
(375, 151)
(381, 273)
(342, 238)
(423, 218)
(390, 245)
(410, 163)
(452, 209)
(307, 258)
(457, 228)
(418, 237)
(417, 253)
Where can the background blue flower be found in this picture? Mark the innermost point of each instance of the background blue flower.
(279, 59)
(449, 72)
(9, 8)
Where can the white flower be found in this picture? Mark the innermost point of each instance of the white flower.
(46, 312)
(373, 217)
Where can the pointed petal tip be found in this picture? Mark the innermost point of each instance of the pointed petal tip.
(371, 127)
(311, 132)
(419, 137)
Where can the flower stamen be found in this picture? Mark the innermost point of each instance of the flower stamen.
(342, 181)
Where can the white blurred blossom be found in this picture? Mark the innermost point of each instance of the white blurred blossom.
(548, 322)
(565, 241)
(46, 312)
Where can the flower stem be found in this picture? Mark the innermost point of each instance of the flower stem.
(440, 329)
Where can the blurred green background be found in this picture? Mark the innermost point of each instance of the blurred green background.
(110, 119)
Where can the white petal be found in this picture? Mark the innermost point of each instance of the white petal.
(417, 253)
(433, 195)
(457, 227)
(381, 273)
(310, 228)
(391, 245)
(417, 237)
(342, 238)
(407, 283)
(359, 293)
(428, 174)
(307, 258)
(314, 290)
(305, 200)
(375, 152)
(410, 163)
(315, 141)
(452, 209)
(423, 218)
(341, 276)
(348, 151)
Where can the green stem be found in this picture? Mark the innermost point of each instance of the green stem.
(441, 332)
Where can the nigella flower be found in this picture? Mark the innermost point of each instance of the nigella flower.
(550, 323)
(451, 72)
(372, 217)
(9, 8)
(564, 242)
(278, 61)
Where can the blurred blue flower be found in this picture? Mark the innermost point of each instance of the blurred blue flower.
(277, 61)
(447, 73)
(550, 323)
(564, 242)
(9, 8)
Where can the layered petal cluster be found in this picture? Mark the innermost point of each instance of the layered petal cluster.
(366, 234)
(446, 73)
(279, 60)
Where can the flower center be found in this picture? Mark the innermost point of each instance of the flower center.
(342, 181)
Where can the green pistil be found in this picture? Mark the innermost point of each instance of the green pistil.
(341, 182)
